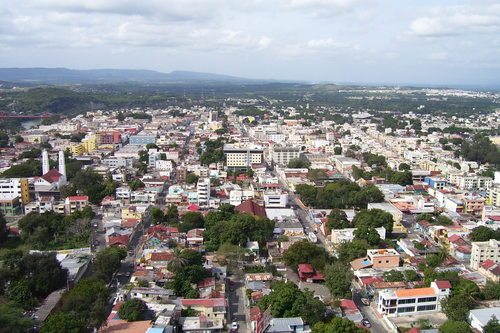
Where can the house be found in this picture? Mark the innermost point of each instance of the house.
(194, 237)
(287, 325)
(201, 324)
(309, 274)
(211, 308)
(351, 311)
(159, 259)
(251, 207)
(490, 269)
(403, 302)
(378, 258)
(75, 203)
(478, 318)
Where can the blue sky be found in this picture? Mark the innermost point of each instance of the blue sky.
(399, 41)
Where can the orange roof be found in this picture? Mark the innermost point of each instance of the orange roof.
(401, 293)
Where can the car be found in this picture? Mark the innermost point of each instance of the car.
(366, 323)
(234, 326)
(365, 301)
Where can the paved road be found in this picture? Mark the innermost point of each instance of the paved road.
(237, 305)
(369, 313)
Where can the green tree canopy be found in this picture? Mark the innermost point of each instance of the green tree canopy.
(337, 325)
(483, 233)
(287, 300)
(191, 220)
(374, 218)
(63, 322)
(338, 280)
(305, 252)
(456, 307)
(133, 310)
(300, 163)
(393, 276)
(451, 326)
(108, 261)
(493, 326)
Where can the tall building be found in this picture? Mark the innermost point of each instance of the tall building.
(203, 189)
(45, 162)
(242, 158)
(62, 164)
(283, 155)
(482, 251)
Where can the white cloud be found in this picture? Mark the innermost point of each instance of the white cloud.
(457, 20)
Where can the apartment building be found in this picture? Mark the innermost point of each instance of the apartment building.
(283, 155)
(404, 302)
(75, 203)
(118, 162)
(239, 157)
(473, 182)
(494, 196)
(482, 251)
(15, 187)
(203, 190)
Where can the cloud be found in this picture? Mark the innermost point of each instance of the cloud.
(457, 20)
(315, 47)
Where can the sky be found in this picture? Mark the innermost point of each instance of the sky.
(364, 41)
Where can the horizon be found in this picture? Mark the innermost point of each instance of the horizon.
(427, 42)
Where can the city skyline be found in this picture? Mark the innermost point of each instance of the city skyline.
(420, 42)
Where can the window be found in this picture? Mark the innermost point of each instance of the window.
(426, 299)
(426, 307)
(406, 301)
(406, 309)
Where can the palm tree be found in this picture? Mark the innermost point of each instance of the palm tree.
(177, 262)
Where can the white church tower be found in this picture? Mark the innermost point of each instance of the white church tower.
(62, 164)
(45, 162)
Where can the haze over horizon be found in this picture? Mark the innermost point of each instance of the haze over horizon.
(422, 42)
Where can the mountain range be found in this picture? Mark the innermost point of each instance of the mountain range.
(91, 76)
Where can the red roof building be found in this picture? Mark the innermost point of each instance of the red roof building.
(251, 207)
(308, 273)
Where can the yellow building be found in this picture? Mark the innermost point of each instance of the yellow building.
(90, 142)
(77, 149)
(131, 213)
(493, 196)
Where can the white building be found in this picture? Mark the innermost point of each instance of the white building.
(347, 235)
(482, 251)
(203, 189)
(276, 199)
(479, 318)
(283, 155)
(242, 157)
(404, 302)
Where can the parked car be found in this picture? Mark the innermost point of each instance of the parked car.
(234, 326)
(365, 301)
(366, 323)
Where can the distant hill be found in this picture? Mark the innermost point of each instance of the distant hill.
(65, 75)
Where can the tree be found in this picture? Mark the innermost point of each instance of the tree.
(299, 163)
(374, 218)
(3, 228)
(177, 262)
(20, 293)
(337, 325)
(191, 220)
(287, 300)
(404, 166)
(135, 184)
(491, 290)
(157, 215)
(451, 326)
(305, 252)
(338, 280)
(348, 251)
(483, 233)
(456, 307)
(133, 310)
(142, 283)
(493, 326)
(108, 261)
(172, 215)
(316, 174)
(411, 275)
(4, 139)
(433, 260)
(12, 319)
(337, 150)
(468, 288)
(191, 178)
(393, 276)
(87, 300)
(63, 322)
(367, 233)
(337, 219)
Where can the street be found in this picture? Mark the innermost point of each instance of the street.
(237, 309)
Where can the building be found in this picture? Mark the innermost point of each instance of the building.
(109, 138)
(75, 203)
(404, 302)
(242, 158)
(15, 187)
(383, 258)
(345, 164)
(11, 206)
(212, 307)
(494, 196)
(283, 155)
(436, 183)
(276, 199)
(479, 318)
(203, 190)
(473, 182)
(482, 251)
(118, 162)
(142, 138)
